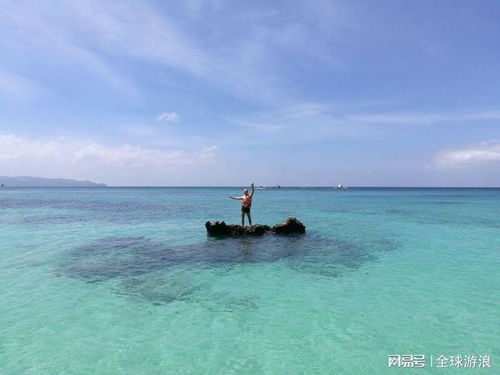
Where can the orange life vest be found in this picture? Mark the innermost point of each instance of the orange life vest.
(246, 201)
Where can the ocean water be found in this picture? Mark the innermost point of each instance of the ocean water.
(125, 281)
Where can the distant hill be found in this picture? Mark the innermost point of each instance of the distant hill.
(41, 181)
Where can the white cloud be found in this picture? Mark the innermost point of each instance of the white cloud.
(481, 153)
(84, 153)
(168, 117)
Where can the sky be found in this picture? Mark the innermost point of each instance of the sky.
(302, 93)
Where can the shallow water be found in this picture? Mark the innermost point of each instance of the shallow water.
(125, 280)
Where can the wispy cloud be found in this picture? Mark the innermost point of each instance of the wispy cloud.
(415, 118)
(49, 33)
(140, 131)
(294, 123)
(481, 153)
(96, 36)
(168, 117)
(81, 153)
(315, 121)
(17, 85)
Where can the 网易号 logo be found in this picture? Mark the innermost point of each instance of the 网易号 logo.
(440, 361)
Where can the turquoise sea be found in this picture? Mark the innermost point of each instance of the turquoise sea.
(125, 281)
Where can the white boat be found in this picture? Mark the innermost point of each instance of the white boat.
(340, 187)
(268, 187)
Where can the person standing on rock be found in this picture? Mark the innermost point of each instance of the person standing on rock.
(246, 203)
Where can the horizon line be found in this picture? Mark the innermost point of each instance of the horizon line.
(271, 188)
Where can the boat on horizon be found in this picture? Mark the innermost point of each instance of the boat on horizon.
(340, 187)
(264, 187)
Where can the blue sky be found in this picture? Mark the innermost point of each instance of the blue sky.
(395, 93)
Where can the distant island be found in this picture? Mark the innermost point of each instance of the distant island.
(47, 182)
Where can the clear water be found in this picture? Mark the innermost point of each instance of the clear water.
(125, 281)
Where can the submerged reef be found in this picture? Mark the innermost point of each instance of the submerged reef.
(111, 257)
(221, 229)
(163, 271)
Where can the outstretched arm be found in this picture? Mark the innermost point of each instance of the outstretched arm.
(252, 185)
(236, 198)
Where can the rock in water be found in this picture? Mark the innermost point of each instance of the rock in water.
(217, 228)
(221, 229)
(291, 225)
(257, 229)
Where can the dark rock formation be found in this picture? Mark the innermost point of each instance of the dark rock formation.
(291, 225)
(221, 229)
(217, 228)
